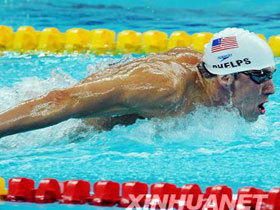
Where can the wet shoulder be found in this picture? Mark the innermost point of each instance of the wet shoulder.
(186, 56)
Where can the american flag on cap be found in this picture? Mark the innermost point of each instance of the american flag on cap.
(224, 43)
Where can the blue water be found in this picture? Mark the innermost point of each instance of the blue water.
(209, 146)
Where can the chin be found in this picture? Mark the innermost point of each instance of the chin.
(250, 115)
(251, 118)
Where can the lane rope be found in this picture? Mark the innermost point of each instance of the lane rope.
(134, 194)
(104, 41)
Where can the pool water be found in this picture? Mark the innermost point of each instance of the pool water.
(209, 146)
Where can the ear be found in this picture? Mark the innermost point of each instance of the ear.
(225, 81)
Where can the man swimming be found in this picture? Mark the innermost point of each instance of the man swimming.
(236, 69)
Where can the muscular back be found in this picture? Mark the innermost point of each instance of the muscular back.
(173, 72)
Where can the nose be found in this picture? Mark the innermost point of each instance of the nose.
(268, 88)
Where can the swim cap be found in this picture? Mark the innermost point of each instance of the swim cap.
(236, 50)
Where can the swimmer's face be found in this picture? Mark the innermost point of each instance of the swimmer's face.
(249, 96)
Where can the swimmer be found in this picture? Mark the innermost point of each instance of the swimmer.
(236, 69)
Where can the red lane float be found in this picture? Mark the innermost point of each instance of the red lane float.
(273, 200)
(75, 192)
(138, 195)
(48, 191)
(162, 194)
(21, 189)
(248, 197)
(132, 190)
(217, 197)
(106, 193)
(191, 197)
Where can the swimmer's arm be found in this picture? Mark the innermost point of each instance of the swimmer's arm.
(34, 114)
(95, 99)
(92, 99)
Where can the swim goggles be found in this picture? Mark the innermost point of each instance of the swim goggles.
(260, 76)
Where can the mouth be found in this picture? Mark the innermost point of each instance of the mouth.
(261, 108)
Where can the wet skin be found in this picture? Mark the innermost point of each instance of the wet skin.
(158, 85)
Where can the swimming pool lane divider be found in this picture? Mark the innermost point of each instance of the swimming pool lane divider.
(103, 41)
(138, 194)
